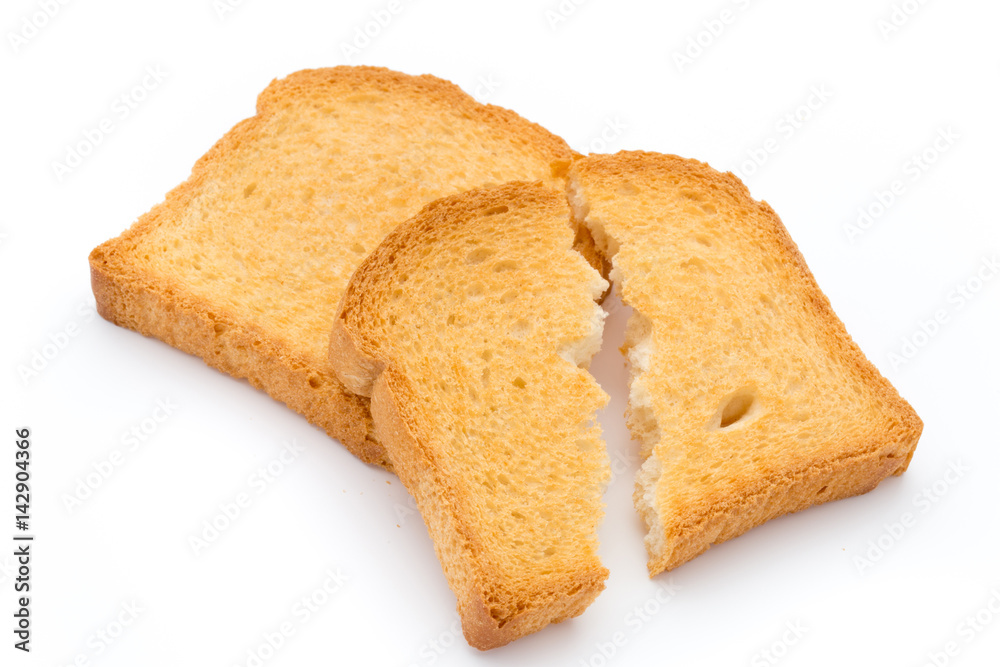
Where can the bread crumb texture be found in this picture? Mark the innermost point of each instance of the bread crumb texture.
(475, 321)
(244, 264)
(748, 395)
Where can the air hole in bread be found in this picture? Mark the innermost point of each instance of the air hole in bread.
(519, 383)
(248, 190)
(505, 265)
(479, 255)
(495, 210)
(709, 209)
(508, 296)
(358, 248)
(220, 328)
(703, 240)
(820, 492)
(520, 329)
(694, 263)
(315, 382)
(736, 408)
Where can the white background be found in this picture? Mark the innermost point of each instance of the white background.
(609, 68)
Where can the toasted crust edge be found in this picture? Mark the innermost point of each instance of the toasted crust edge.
(462, 569)
(793, 492)
(128, 299)
(412, 462)
(797, 490)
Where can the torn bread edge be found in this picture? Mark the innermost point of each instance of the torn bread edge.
(363, 373)
(853, 475)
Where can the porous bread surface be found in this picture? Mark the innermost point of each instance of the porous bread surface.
(244, 264)
(748, 395)
(470, 326)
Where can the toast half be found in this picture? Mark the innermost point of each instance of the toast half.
(470, 328)
(748, 395)
(244, 264)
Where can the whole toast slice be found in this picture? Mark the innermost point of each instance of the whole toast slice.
(748, 395)
(244, 264)
(470, 327)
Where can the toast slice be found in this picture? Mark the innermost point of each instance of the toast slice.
(244, 264)
(747, 394)
(470, 327)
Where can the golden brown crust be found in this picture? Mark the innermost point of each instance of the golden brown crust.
(891, 445)
(356, 353)
(776, 496)
(531, 136)
(151, 305)
(463, 568)
(130, 300)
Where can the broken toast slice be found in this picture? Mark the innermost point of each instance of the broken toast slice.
(747, 394)
(470, 328)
